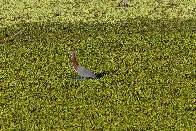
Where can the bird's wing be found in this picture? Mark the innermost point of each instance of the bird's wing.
(83, 72)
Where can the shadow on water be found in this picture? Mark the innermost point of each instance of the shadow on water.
(71, 32)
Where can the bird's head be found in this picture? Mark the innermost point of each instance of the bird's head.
(71, 52)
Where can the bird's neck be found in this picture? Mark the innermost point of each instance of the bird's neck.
(74, 62)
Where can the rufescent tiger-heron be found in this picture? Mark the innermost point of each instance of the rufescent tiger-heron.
(83, 72)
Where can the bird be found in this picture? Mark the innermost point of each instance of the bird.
(82, 71)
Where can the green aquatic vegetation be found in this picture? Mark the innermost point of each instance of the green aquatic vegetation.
(147, 69)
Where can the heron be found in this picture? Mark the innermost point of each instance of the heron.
(83, 72)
